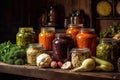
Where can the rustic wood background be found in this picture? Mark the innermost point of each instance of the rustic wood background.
(16, 13)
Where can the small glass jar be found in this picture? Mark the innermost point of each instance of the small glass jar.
(78, 55)
(86, 38)
(107, 49)
(73, 29)
(33, 51)
(62, 44)
(46, 37)
(25, 36)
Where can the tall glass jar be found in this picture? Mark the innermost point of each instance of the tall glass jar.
(107, 49)
(46, 37)
(33, 51)
(25, 36)
(78, 55)
(62, 44)
(86, 38)
(73, 29)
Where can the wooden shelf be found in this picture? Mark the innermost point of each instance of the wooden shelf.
(56, 74)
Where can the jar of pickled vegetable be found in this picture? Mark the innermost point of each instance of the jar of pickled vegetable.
(62, 44)
(25, 36)
(78, 55)
(86, 38)
(46, 37)
(107, 49)
(73, 29)
(33, 51)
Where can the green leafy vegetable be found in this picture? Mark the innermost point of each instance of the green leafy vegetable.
(112, 30)
(12, 53)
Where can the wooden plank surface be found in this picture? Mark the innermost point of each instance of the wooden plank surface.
(56, 74)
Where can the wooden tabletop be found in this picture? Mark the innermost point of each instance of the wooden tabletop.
(56, 74)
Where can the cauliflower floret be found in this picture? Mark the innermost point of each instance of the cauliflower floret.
(43, 60)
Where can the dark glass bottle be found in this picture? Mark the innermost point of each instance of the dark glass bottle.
(62, 45)
(79, 17)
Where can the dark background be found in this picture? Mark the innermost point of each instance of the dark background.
(22, 13)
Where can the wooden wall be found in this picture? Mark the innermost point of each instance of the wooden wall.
(16, 13)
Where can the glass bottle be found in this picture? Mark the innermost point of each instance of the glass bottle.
(25, 36)
(86, 38)
(79, 17)
(33, 51)
(46, 37)
(62, 44)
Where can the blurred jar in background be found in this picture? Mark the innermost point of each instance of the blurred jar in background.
(66, 22)
(73, 29)
(25, 36)
(62, 44)
(79, 17)
(86, 38)
(46, 37)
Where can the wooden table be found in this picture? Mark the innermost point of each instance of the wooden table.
(56, 74)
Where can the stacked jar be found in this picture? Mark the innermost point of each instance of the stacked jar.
(25, 36)
(46, 37)
(86, 38)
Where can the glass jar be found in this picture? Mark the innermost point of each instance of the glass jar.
(86, 38)
(73, 29)
(25, 36)
(79, 17)
(46, 37)
(107, 49)
(78, 55)
(32, 52)
(62, 44)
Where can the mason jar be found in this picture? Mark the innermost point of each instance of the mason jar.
(33, 51)
(62, 44)
(78, 55)
(73, 29)
(46, 37)
(25, 36)
(86, 38)
(107, 50)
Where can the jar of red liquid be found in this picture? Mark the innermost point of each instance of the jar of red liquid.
(73, 29)
(46, 37)
(86, 38)
(62, 44)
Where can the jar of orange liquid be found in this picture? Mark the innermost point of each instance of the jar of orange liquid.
(86, 38)
(46, 37)
(73, 29)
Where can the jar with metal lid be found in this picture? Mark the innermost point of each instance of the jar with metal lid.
(33, 51)
(73, 29)
(78, 55)
(86, 38)
(46, 37)
(107, 49)
(62, 44)
(25, 36)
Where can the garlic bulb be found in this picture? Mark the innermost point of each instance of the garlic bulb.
(43, 60)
